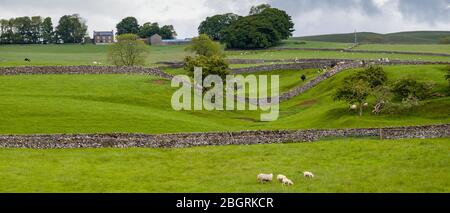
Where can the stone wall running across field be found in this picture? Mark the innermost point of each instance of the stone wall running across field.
(181, 140)
(33, 70)
(363, 51)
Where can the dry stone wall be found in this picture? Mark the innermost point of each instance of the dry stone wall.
(33, 70)
(182, 140)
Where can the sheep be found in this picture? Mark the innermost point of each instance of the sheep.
(95, 62)
(353, 107)
(264, 178)
(280, 178)
(365, 105)
(287, 182)
(308, 174)
(27, 60)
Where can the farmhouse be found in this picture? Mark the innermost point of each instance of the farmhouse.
(103, 37)
(156, 40)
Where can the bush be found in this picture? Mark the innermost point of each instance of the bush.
(409, 88)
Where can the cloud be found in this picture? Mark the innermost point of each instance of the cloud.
(310, 16)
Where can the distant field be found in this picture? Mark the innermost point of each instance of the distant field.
(339, 165)
(45, 55)
(292, 54)
(48, 55)
(429, 48)
(141, 103)
(413, 37)
(296, 43)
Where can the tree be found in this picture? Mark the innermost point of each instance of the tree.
(71, 29)
(254, 10)
(167, 32)
(22, 27)
(353, 92)
(211, 65)
(128, 51)
(149, 29)
(265, 28)
(128, 25)
(204, 46)
(47, 31)
(407, 88)
(36, 29)
(214, 25)
(374, 75)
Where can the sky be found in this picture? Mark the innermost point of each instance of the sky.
(311, 17)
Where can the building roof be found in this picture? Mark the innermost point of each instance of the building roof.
(103, 33)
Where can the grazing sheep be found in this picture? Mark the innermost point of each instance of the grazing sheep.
(353, 107)
(264, 178)
(280, 178)
(308, 174)
(365, 105)
(287, 182)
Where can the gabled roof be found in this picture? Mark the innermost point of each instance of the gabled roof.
(103, 33)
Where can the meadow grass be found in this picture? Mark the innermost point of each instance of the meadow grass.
(427, 48)
(339, 165)
(297, 43)
(142, 103)
(76, 54)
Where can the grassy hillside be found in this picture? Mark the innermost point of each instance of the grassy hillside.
(428, 48)
(415, 37)
(344, 165)
(140, 103)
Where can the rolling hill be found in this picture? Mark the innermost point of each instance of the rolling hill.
(413, 37)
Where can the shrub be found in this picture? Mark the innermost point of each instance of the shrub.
(407, 88)
(205, 46)
(445, 40)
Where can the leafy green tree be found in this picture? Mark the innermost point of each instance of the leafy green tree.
(22, 27)
(407, 88)
(353, 91)
(214, 25)
(47, 31)
(167, 32)
(204, 46)
(374, 75)
(254, 10)
(263, 29)
(128, 25)
(36, 29)
(71, 29)
(211, 65)
(128, 51)
(148, 29)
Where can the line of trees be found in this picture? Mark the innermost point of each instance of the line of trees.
(264, 27)
(130, 25)
(39, 30)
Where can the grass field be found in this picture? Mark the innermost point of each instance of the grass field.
(344, 165)
(297, 43)
(428, 48)
(48, 55)
(139, 103)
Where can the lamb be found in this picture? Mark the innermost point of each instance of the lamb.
(287, 182)
(280, 178)
(308, 174)
(262, 178)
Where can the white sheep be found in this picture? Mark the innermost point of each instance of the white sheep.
(365, 105)
(308, 174)
(264, 178)
(353, 107)
(287, 182)
(280, 178)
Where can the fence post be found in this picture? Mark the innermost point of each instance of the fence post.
(381, 133)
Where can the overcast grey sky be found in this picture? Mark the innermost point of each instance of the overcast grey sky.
(310, 16)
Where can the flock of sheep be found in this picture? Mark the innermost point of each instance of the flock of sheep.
(263, 178)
